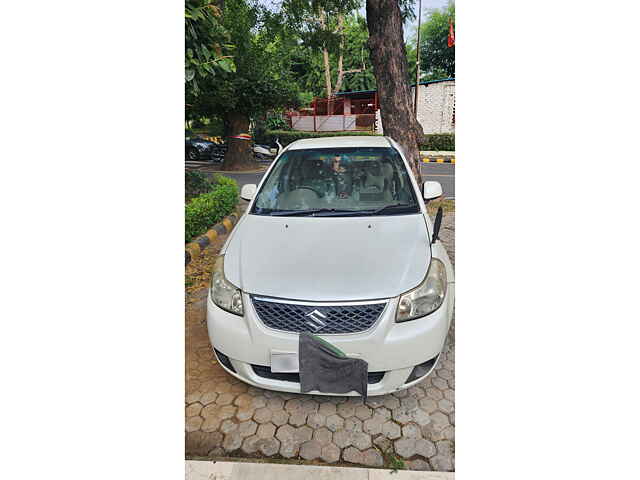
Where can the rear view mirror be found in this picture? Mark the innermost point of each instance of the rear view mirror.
(248, 191)
(431, 190)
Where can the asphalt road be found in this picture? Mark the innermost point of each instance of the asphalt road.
(438, 172)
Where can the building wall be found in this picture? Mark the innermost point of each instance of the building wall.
(436, 103)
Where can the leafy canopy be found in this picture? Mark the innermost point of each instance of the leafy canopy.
(262, 79)
(308, 68)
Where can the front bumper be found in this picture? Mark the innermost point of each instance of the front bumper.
(391, 349)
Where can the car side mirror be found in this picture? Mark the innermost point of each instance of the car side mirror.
(248, 191)
(431, 190)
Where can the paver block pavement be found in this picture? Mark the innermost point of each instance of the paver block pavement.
(310, 450)
(323, 435)
(372, 458)
(373, 426)
(405, 447)
(330, 453)
(335, 423)
(316, 420)
(268, 446)
(352, 455)
(411, 430)
(232, 441)
(391, 430)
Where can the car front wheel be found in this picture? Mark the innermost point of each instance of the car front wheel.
(192, 154)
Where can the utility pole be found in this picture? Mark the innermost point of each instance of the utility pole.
(415, 99)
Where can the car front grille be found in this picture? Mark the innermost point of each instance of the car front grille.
(317, 319)
(265, 372)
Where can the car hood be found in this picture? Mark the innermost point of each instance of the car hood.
(328, 258)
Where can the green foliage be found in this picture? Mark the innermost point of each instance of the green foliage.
(206, 47)
(262, 79)
(195, 183)
(272, 121)
(316, 21)
(356, 56)
(213, 128)
(307, 63)
(276, 122)
(439, 142)
(207, 209)
(392, 461)
(286, 137)
(305, 98)
(437, 60)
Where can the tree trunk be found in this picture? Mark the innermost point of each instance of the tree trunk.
(239, 155)
(327, 71)
(325, 57)
(389, 59)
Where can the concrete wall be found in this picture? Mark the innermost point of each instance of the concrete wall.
(435, 106)
(436, 102)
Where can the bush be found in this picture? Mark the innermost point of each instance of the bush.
(195, 183)
(439, 142)
(207, 209)
(286, 137)
(433, 141)
(277, 122)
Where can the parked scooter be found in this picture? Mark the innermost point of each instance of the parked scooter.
(266, 152)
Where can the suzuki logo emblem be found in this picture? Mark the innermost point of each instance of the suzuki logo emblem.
(315, 321)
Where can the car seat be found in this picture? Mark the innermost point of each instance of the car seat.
(374, 177)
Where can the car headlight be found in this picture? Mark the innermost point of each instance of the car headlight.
(427, 297)
(223, 293)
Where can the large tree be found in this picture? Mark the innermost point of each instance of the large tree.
(350, 65)
(261, 81)
(437, 59)
(322, 27)
(388, 55)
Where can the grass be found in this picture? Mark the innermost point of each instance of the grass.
(448, 206)
(392, 461)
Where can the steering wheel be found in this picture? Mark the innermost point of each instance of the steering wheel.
(317, 192)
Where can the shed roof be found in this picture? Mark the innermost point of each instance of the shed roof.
(371, 92)
(357, 93)
(435, 81)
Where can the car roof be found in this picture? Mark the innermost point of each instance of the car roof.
(339, 142)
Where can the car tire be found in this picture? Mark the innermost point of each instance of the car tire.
(192, 154)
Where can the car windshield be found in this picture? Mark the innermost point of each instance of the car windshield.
(337, 182)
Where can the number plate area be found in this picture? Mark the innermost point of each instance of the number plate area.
(284, 362)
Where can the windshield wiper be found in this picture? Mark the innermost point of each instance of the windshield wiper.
(403, 207)
(311, 211)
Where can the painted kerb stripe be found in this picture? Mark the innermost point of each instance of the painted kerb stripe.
(439, 160)
(196, 247)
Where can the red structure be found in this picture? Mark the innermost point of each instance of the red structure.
(346, 111)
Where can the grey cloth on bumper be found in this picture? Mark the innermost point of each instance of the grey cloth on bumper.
(325, 371)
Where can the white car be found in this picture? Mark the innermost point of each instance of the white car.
(336, 242)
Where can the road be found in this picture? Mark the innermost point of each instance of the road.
(438, 172)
